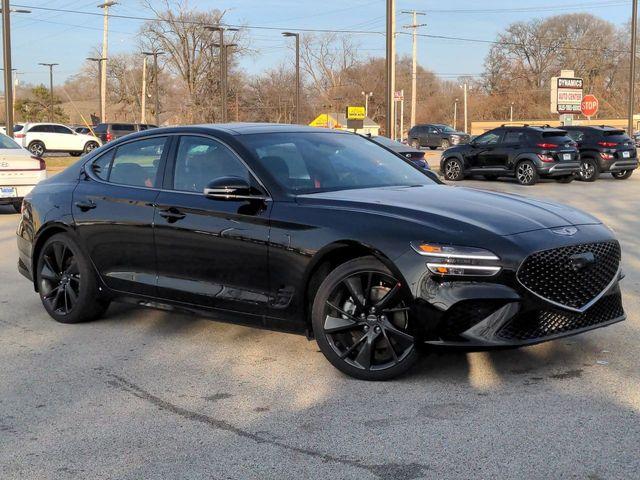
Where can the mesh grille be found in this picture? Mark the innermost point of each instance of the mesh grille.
(464, 315)
(557, 275)
(544, 323)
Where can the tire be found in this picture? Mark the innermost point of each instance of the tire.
(565, 179)
(357, 339)
(622, 175)
(66, 282)
(37, 148)
(415, 143)
(526, 173)
(589, 170)
(453, 170)
(17, 206)
(75, 154)
(445, 144)
(490, 177)
(90, 147)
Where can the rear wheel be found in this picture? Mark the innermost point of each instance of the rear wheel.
(589, 170)
(622, 175)
(453, 169)
(66, 282)
(526, 173)
(361, 321)
(415, 143)
(37, 148)
(90, 147)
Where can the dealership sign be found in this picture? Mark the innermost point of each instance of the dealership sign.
(566, 95)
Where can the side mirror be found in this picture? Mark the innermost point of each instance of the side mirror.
(229, 188)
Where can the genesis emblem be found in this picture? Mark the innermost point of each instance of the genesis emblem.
(566, 231)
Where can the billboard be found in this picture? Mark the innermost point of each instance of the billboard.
(566, 95)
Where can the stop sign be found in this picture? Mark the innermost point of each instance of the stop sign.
(589, 105)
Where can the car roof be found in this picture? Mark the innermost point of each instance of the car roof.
(602, 128)
(250, 128)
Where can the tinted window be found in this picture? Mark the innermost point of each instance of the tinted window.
(489, 138)
(61, 129)
(559, 137)
(432, 130)
(123, 127)
(136, 163)
(575, 135)
(310, 162)
(100, 167)
(618, 136)
(40, 129)
(200, 160)
(101, 128)
(514, 137)
(7, 142)
(17, 128)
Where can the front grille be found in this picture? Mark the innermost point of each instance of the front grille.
(545, 323)
(571, 276)
(464, 315)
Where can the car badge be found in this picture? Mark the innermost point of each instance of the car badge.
(565, 231)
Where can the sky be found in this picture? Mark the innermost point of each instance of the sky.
(67, 38)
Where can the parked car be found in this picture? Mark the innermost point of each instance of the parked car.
(111, 131)
(316, 232)
(19, 172)
(82, 129)
(414, 155)
(435, 135)
(40, 138)
(604, 149)
(526, 153)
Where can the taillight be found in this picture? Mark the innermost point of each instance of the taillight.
(606, 156)
(547, 145)
(109, 137)
(607, 144)
(545, 158)
(43, 165)
(18, 135)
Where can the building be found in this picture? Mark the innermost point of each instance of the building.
(338, 121)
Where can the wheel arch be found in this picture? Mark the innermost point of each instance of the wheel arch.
(330, 257)
(457, 156)
(45, 234)
(37, 140)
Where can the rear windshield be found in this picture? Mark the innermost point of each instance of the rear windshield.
(123, 127)
(616, 136)
(8, 142)
(557, 136)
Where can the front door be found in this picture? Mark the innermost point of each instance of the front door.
(211, 252)
(113, 209)
(485, 149)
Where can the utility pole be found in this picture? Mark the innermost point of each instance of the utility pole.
(297, 37)
(466, 87)
(455, 114)
(390, 68)
(511, 113)
(103, 71)
(632, 73)
(50, 65)
(156, 71)
(414, 65)
(99, 77)
(223, 67)
(6, 48)
(143, 95)
(367, 96)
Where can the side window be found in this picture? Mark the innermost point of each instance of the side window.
(39, 129)
(432, 130)
(489, 138)
(123, 127)
(199, 160)
(101, 166)
(136, 163)
(61, 129)
(575, 135)
(513, 137)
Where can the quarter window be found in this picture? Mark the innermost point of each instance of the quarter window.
(199, 160)
(101, 166)
(513, 137)
(136, 163)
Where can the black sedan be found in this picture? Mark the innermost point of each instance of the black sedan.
(313, 231)
(414, 155)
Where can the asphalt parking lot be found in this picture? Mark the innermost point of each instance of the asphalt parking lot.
(150, 394)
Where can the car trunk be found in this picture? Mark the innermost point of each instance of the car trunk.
(18, 167)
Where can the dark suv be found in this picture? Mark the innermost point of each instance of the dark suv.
(604, 149)
(110, 131)
(436, 135)
(526, 153)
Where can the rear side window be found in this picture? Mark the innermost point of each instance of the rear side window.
(40, 129)
(123, 127)
(136, 163)
(514, 137)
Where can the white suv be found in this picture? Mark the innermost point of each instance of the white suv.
(39, 138)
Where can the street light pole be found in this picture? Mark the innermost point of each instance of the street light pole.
(367, 95)
(511, 113)
(143, 93)
(632, 72)
(390, 68)
(155, 54)
(50, 65)
(414, 64)
(6, 48)
(455, 114)
(466, 87)
(223, 67)
(103, 71)
(297, 37)
(99, 77)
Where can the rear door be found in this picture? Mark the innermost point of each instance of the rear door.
(433, 137)
(113, 209)
(506, 151)
(211, 252)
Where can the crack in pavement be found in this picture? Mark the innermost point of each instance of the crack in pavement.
(387, 471)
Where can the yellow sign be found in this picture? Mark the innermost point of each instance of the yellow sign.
(355, 113)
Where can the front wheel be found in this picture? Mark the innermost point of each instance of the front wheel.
(361, 321)
(526, 173)
(453, 170)
(445, 144)
(622, 175)
(415, 143)
(66, 282)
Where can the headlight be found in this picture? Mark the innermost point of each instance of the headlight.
(457, 260)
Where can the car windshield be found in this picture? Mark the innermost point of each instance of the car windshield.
(8, 142)
(309, 162)
(387, 142)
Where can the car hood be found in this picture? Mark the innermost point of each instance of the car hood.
(455, 209)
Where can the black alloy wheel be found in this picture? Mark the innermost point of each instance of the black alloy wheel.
(361, 321)
(453, 170)
(66, 283)
(622, 175)
(589, 170)
(526, 173)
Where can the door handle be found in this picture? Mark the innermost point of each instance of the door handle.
(85, 206)
(171, 214)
